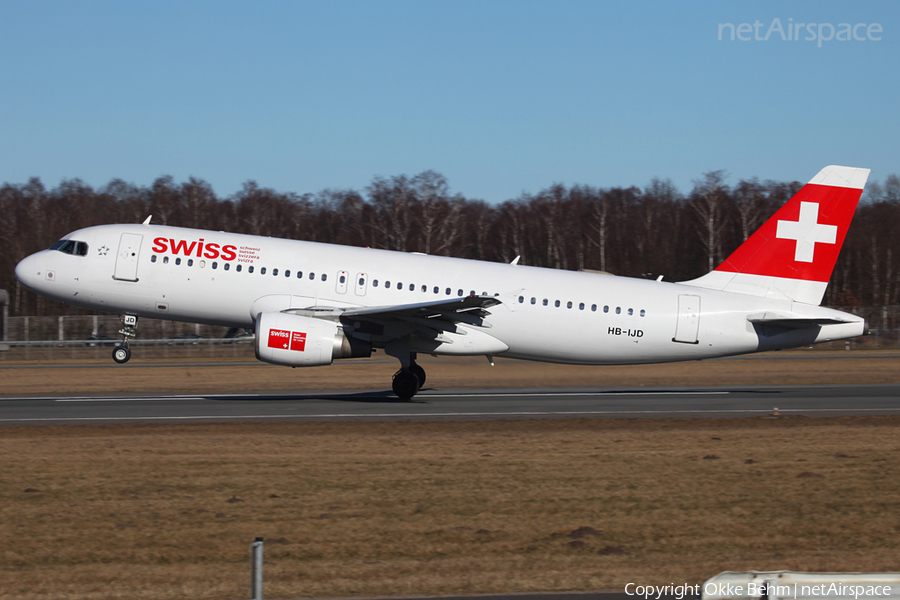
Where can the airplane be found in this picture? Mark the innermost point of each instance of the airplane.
(311, 303)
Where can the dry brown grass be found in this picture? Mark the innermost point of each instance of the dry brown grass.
(445, 372)
(121, 511)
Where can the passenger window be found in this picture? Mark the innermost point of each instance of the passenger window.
(226, 266)
(238, 268)
(215, 265)
(312, 276)
(424, 288)
(606, 309)
(557, 303)
(521, 299)
(274, 272)
(630, 312)
(287, 273)
(593, 307)
(618, 310)
(447, 291)
(324, 277)
(374, 283)
(299, 274)
(533, 300)
(545, 302)
(643, 312)
(262, 271)
(178, 261)
(165, 260)
(569, 304)
(399, 286)
(343, 279)
(250, 269)
(202, 263)
(459, 292)
(153, 258)
(471, 292)
(581, 306)
(412, 287)
(437, 290)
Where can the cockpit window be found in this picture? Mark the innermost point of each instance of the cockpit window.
(71, 247)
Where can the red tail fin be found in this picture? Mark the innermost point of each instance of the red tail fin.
(793, 254)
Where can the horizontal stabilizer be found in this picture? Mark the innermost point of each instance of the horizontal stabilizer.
(789, 322)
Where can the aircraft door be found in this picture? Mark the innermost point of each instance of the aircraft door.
(127, 258)
(341, 285)
(362, 281)
(688, 323)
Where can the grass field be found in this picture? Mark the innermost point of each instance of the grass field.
(438, 508)
(365, 509)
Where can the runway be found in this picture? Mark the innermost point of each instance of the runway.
(455, 404)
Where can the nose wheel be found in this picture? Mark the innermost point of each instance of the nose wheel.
(121, 354)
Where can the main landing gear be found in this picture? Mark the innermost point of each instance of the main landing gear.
(121, 354)
(409, 380)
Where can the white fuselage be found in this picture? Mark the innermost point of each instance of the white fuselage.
(546, 314)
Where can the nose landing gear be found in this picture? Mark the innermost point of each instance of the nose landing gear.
(122, 354)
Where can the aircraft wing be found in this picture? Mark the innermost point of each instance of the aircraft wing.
(469, 306)
(431, 319)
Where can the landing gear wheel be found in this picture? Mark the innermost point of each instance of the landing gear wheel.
(419, 372)
(121, 354)
(405, 384)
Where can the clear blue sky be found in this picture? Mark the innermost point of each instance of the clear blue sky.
(499, 96)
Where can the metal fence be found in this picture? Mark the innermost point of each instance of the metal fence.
(140, 348)
(94, 337)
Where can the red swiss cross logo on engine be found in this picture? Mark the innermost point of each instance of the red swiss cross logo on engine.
(287, 340)
(279, 338)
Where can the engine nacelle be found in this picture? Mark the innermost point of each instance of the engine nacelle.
(297, 341)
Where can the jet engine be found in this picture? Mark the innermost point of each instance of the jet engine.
(298, 341)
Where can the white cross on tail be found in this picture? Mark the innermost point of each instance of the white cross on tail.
(806, 232)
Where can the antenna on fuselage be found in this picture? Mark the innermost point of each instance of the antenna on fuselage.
(147, 220)
(515, 261)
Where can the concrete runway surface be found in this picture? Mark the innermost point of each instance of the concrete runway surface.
(459, 404)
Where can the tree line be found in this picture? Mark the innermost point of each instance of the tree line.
(638, 232)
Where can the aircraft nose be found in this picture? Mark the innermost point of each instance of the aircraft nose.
(28, 272)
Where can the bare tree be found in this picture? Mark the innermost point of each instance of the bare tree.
(709, 197)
